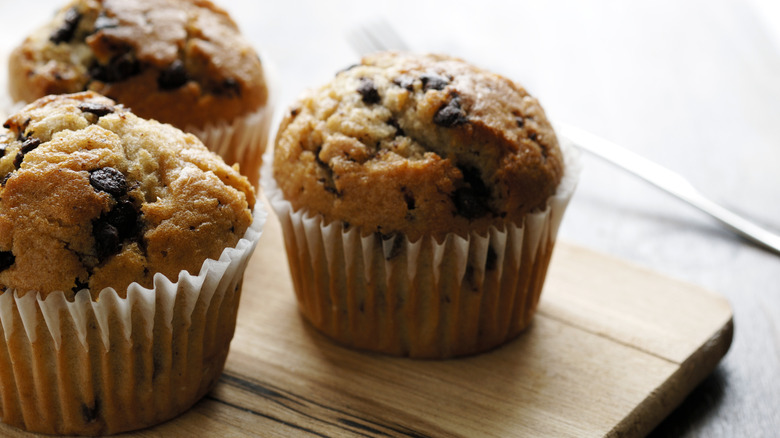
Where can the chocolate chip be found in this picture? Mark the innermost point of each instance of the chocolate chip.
(97, 109)
(68, 28)
(468, 204)
(106, 239)
(118, 69)
(450, 114)
(533, 136)
(124, 216)
(105, 22)
(471, 200)
(112, 228)
(109, 180)
(398, 129)
(92, 413)
(520, 121)
(173, 77)
(545, 151)
(433, 82)
(327, 182)
(7, 260)
(5, 178)
(229, 87)
(408, 198)
(29, 144)
(2, 149)
(405, 82)
(368, 91)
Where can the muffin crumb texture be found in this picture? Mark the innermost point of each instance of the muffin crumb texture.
(418, 144)
(92, 196)
(180, 62)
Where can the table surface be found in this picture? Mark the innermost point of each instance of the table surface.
(692, 85)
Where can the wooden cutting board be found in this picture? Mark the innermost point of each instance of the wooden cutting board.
(612, 351)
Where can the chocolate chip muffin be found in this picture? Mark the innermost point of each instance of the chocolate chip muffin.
(110, 226)
(451, 178)
(179, 62)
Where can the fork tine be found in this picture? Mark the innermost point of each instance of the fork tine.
(375, 36)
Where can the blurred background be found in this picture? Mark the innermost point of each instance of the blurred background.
(693, 85)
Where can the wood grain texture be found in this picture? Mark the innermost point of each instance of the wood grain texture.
(613, 350)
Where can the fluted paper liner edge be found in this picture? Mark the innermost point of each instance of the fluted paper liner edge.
(116, 364)
(429, 298)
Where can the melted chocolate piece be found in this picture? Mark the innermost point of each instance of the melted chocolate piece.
(107, 241)
(450, 114)
(5, 178)
(67, 30)
(468, 204)
(111, 229)
(471, 200)
(173, 77)
(109, 180)
(124, 216)
(118, 69)
(97, 109)
(433, 82)
(7, 260)
(229, 87)
(29, 144)
(409, 199)
(398, 130)
(405, 82)
(368, 91)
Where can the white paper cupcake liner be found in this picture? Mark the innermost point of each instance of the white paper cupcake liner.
(429, 298)
(116, 364)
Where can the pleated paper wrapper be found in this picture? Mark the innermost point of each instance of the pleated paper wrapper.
(424, 299)
(117, 364)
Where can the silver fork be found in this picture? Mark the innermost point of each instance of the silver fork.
(380, 35)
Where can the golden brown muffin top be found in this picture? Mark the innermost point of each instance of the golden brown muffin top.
(92, 196)
(419, 144)
(182, 62)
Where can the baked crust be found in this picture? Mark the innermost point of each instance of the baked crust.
(92, 196)
(179, 62)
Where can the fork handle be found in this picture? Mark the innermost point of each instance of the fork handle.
(669, 181)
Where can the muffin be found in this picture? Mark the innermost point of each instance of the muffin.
(122, 249)
(179, 62)
(420, 197)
